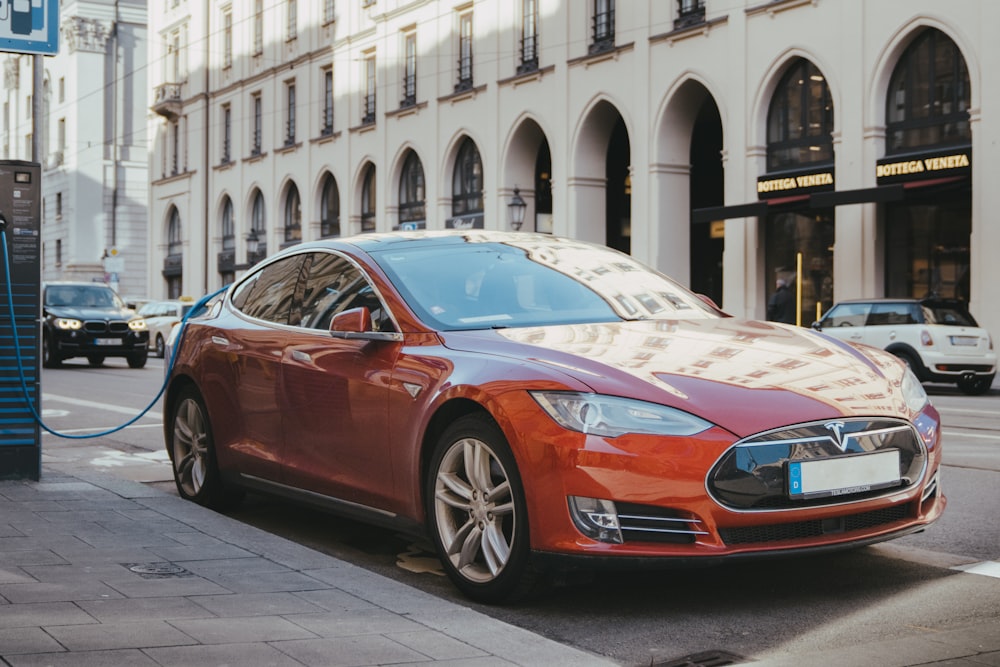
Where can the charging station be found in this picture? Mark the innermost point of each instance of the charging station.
(20, 216)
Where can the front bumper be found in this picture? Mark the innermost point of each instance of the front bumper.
(81, 343)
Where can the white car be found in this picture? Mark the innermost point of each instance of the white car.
(938, 338)
(161, 317)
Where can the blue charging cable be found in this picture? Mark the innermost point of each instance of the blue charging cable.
(20, 366)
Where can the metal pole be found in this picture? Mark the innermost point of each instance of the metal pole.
(37, 108)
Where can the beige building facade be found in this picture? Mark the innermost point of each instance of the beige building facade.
(843, 146)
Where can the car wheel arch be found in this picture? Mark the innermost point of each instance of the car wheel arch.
(907, 351)
(448, 412)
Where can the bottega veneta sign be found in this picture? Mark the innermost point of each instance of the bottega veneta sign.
(893, 170)
(794, 184)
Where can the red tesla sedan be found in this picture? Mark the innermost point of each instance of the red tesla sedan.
(532, 402)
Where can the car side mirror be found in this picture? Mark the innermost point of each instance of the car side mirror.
(352, 320)
(817, 326)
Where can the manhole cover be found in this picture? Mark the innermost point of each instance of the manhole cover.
(705, 659)
(156, 570)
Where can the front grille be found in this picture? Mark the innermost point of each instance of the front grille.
(753, 474)
(100, 326)
(805, 529)
(647, 523)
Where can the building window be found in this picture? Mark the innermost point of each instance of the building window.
(368, 110)
(329, 212)
(293, 215)
(62, 89)
(59, 257)
(59, 206)
(467, 181)
(61, 135)
(464, 52)
(258, 124)
(800, 120)
(409, 70)
(929, 95)
(228, 226)
(291, 20)
(368, 200)
(290, 114)
(328, 11)
(175, 147)
(603, 37)
(258, 224)
(529, 36)
(326, 122)
(174, 240)
(227, 38)
(258, 27)
(174, 57)
(689, 13)
(412, 195)
(227, 134)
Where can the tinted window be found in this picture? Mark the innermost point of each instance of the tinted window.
(955, 315)
(847, 315)
(334, 285)
(888, 314)
(268, 294)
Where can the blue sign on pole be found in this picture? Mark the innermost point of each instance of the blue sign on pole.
(29, 26)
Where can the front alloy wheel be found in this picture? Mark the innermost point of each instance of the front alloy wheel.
(477, 512)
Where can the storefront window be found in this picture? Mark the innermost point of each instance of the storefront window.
(800, 119)
(789, 235)
(927, 248)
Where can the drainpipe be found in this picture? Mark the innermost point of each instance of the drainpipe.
(205, 162)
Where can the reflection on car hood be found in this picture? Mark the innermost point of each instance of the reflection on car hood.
(745, 376)
(89, 313)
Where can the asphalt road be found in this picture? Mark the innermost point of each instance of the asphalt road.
(938, 579)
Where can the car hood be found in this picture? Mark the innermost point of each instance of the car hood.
(82, 313)
(746, 376)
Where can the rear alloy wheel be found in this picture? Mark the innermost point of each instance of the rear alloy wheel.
(976, 385)
(192, 455)
(477, 512)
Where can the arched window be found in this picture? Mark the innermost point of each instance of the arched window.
(800, 120)
(329, 208)
(258, 223)
(467, 181)
(293, 215)
(174, 240)
(228, 226)
(368, 200)
(929, 96)
(412, 195)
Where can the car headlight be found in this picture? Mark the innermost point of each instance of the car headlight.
(68, 323)
(611, 416)
(913, 392)
(137, 324)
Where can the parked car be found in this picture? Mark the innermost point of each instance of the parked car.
(161, 317)
(81, 319)
(531, 402)
(938, 338)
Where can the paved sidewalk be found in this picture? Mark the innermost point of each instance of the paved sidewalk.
(103, 571)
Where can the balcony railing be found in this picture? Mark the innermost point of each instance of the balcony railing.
(603, 32)
(689, 13)
(368, 115)
(167, 100)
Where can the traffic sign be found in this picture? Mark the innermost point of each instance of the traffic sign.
(29, 26)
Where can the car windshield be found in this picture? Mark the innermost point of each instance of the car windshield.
(82, 296)
(494, 284)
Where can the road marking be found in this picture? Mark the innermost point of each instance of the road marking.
(970, 411)
(962, 434)
(100, 406)
(988, 568)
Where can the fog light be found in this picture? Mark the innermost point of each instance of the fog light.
(596, 518)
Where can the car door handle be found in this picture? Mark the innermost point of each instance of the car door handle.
(219, 340)
(299, 355)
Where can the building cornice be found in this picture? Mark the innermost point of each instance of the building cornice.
(86, 35)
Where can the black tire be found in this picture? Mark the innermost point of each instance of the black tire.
(910, 362)
(161, 346)
(482, 541)
(137, 359)
(192, 454)
(95, 360)
(976, 386)
(49, 358)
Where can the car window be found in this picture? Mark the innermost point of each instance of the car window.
(85, 296)
(334, 285)
(847, 315)
(894, 314)
(950, 315)
(268, 293)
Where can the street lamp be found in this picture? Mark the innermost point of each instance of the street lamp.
(516, 207)
(253, 243)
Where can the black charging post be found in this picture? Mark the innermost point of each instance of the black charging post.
(20, 222)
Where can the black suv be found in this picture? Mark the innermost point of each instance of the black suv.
(89, 320)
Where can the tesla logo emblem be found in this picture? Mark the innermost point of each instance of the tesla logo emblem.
(837, 429)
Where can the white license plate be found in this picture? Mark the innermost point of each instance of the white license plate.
(964, 341)
(843, 475)
(107, 341)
